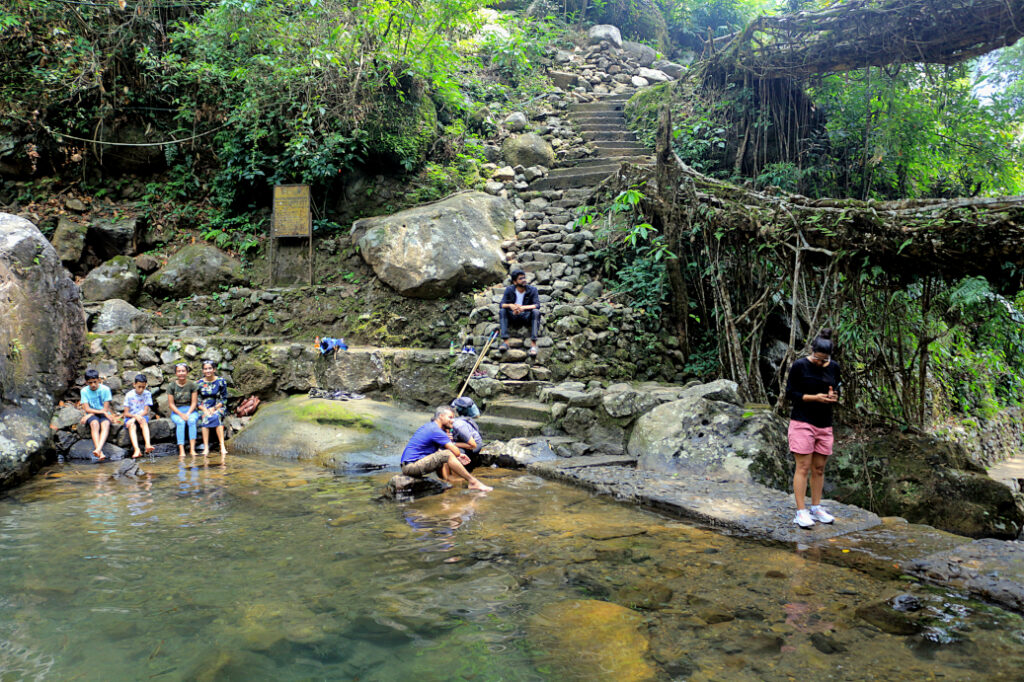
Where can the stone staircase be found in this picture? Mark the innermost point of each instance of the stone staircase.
(514, 418)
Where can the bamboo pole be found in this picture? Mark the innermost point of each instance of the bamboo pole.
(479, 359)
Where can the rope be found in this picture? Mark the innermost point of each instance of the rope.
(133, 144)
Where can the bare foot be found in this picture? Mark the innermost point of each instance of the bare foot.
(136, 454)
(481, 487)
(193, 454)
(223, 452)
(150, 448)
(99, 454)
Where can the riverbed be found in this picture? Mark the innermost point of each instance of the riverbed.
(256, 568)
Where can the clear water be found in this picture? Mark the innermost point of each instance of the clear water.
(263, 569)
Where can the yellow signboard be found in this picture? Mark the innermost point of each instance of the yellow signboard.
(291, 211)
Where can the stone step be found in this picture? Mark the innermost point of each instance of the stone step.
(621, 149)
(591, 107)
(504, 428)
(585, 178)
(594, 162)
(530, 410)
(525, 388)
(602, 128)
(588, 118)
(610, 135)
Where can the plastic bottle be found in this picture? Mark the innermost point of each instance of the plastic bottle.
(451, 348)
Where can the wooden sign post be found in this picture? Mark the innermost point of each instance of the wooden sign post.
(292, 218)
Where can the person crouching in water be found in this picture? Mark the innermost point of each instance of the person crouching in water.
(465, 431)
(812, 388)
(431, 450)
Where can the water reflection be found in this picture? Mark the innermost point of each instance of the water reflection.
(265, 569)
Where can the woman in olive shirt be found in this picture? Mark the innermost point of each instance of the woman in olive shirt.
(183, 392)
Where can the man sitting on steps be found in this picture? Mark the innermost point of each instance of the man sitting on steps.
(431, 449)
(520, 307)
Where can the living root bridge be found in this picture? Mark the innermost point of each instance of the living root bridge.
(925, 236)
(856, 35)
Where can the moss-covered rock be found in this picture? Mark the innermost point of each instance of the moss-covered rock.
(924, 480)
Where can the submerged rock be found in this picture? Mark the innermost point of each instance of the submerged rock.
(586, 639)
(42, 334)
(404, 487)
(129, 468)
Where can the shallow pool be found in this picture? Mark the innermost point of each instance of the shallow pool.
(262, 569)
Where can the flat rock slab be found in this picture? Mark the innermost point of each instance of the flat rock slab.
(743, 508)
(883, 550)
(990, 569)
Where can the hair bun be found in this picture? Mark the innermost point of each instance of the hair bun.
(825, 334)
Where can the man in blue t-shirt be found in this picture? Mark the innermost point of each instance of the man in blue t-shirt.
(431, 450)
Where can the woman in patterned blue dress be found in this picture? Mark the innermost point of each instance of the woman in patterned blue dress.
(213, 402)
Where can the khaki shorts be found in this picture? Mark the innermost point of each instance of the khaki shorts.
(426, 465)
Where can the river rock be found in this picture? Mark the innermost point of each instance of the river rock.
(644, 54)
(109, 237)
(342, 435)
(653, 75)
(117, 278)
(704, 437)
(404, 487)
(528, 149)
(563, 79)
(604, 32)
(195, 269)
(517, 453)
(990, 569)
(441, 248)
(43, 334)
(82, 451)
(516, 121)
(628, 402)
(120, 316)
(69, 240)
(587, 639)
(670, 69)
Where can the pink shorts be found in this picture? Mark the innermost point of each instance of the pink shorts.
(806, 438)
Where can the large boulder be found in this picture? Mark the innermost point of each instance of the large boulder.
(42, 335)
(604, 32)
(924, 480)
(195, 269)
(342, 435)
(441, 248)
(707, 433)
(117, 278)
(109, 237)
(528, 149)
(399, 374)
(643, 54)
(120, 316)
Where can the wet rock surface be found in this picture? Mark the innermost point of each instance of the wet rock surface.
(990, 569)
(746, 508)
(402, 487)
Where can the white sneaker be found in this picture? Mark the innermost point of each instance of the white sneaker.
(821, 515)
(803, 518)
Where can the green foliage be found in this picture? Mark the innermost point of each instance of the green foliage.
(517, 52)
(690, 21)
(922, 132)
(632, 251)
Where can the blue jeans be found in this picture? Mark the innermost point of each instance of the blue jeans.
(529, 318)
(179, 426)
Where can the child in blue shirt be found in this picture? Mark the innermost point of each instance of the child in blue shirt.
(95, 402)
(136, 412)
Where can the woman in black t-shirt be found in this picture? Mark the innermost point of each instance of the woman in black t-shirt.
(812, 388)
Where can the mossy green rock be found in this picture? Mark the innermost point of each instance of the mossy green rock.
(195, 269)
(924, 480)
(528, 149)
(117, 278)
(345, 435)
(402, 131)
